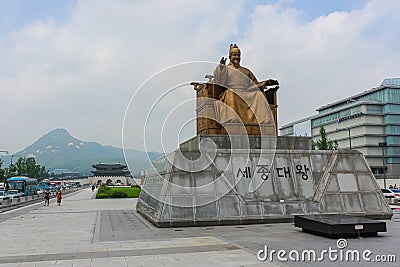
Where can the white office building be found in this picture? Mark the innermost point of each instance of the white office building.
(368, 122)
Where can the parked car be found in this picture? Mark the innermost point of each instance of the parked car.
(395, 209)
(390, 193)
(13, 194)
(3, 195)
(40, 192)
(396, 193)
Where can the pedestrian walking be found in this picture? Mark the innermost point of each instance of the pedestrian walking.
(59, 197)
(93, 187)
(46, 197)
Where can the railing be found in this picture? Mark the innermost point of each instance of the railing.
(8, 203)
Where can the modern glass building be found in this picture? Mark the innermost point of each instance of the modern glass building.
(368, 122)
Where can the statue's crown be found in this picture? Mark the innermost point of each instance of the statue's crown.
(233, 47)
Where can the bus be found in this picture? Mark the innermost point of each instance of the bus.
(25, 185)
(45, 184)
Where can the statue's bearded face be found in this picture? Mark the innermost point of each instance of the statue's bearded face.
(235, 57)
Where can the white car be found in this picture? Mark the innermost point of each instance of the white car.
(396, 192)
(395, 209)
(3, 195)
(387, 192)
(13, 194)
(391, 195)
(40, 192)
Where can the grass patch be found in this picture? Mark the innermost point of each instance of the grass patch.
(118, 192)
(131, 192)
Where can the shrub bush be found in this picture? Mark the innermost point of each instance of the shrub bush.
(103, 189)
(102, 195)
(118, 194)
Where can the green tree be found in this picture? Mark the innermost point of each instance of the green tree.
(323, 143)
(28, 167)
(2, 171)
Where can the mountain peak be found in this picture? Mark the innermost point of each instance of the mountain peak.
(51, 142)
(59, 150)
(59, 136)
(59, 132)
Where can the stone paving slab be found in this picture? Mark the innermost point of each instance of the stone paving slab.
(87, 232)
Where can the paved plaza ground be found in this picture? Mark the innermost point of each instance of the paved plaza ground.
(85, 231)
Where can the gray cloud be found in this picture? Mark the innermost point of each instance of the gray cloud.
(324, 60)
(81, 74)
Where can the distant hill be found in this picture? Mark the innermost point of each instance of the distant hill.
(59, 150)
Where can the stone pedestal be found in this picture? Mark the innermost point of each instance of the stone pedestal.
(219, 179)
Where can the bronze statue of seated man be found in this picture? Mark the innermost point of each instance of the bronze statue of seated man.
(243, 101)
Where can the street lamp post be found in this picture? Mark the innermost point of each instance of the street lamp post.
(348, 130)
(383, 145)
(349, 138)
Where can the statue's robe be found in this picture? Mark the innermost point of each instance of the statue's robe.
(242, 102)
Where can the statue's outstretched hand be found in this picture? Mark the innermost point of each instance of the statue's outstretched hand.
(222, 61)
(264, 84)
(273, 82)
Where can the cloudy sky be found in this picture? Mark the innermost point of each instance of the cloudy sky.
(79, 64)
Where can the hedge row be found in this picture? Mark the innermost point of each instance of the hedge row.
(117, 192)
